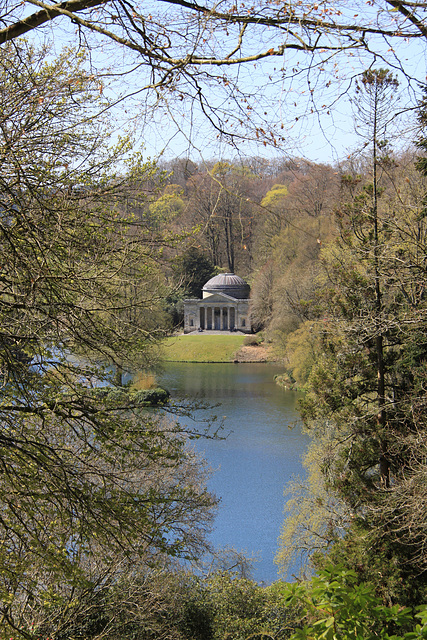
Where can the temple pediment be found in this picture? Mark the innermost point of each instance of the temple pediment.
(218, 297)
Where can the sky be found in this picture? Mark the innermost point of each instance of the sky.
(308, 102)
(319, 133)
(304, 103)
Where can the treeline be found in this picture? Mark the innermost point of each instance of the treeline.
(264, 220)
(271, 222)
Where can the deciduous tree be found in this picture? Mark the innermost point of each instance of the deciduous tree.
(224, 205)
(89, 479)
(180, 50)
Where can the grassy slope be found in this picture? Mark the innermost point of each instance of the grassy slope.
(202, 348)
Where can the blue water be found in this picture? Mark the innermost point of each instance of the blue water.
(260, 454)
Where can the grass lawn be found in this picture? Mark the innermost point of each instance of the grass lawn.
(202, 348)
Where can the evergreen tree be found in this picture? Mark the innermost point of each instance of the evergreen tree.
(366, 401)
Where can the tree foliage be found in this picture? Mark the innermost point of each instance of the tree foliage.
(223, 207)
(90, 481)
(365, 400)
(335, 606)
(192, 270)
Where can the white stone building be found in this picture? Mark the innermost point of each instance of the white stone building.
(224, 306)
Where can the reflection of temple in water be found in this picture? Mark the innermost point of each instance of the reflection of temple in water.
(223, 307)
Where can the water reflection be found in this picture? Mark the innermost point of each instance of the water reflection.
(259, 456)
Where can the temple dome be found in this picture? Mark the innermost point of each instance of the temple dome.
(227, 283)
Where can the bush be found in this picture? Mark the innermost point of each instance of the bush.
(335, 605)
(150, 397)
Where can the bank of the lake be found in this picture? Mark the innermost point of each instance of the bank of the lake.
(261, 453)
(215, 347)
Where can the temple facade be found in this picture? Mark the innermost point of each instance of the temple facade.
(224, 306)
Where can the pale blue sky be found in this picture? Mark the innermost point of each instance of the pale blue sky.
(304, 100)
(320, 133)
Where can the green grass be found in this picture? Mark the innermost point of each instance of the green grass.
(202, 348)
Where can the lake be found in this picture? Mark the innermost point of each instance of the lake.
(259, 456)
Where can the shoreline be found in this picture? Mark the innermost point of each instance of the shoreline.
(217, 348)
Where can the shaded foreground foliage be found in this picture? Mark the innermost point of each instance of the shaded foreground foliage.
(180, 605)
(91, 484)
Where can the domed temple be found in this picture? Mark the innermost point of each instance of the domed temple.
(224, 306)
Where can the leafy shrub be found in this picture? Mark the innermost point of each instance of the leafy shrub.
(336, 606)
(151, 397)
